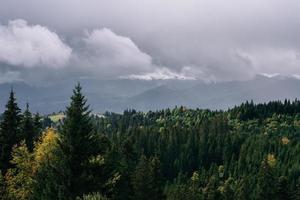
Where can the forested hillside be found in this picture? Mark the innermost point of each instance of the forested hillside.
(251, 151)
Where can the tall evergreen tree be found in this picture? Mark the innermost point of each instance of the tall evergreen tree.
(296, 193)
(141, 180)
(156, 179)
(266, 179)
(78, 143)
(10, 131)
(211, 189)
(282, 192)
(242, 191)
(37, 123)
(228, 193)
(27, 129)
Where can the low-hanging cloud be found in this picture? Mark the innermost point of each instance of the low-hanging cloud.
(107, 54)
(30, 46)
(193, 39)
(104, 53)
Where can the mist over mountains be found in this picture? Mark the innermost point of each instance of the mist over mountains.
(118, 95)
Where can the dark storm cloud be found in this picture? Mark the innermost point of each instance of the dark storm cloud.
(211, 40)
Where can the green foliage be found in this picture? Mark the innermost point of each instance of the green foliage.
(20, 179)
(146, 179)
(49, 168)
(28, 128)
(282, 190)
(248, 152)
(95, 196)
(9, 132)
(266, 179)
(3, 194)
(79, 144)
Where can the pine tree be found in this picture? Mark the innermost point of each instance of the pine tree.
(27, 129)
(211, 189)
(37, 123)
(228, 191)
(282, 192)
(141, 180)
(147, 183)
(242, 192)
(265, 182)
(156, 179)
(78, 143)
(10, 131)
(296, 193)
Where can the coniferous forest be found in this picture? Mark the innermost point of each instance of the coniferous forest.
(251, 151)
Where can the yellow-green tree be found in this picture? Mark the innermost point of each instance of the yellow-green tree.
(48, 167)
(20, 179)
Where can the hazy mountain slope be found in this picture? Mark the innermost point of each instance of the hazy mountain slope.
(117, 95)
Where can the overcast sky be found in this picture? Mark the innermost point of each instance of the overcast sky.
(211, 40)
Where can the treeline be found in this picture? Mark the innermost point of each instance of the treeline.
(249, 110)
(249, 152)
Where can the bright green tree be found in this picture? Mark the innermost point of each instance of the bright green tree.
(49, 180)
(20, 179)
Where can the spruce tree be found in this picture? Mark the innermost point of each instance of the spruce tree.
(156, 179)
(27, 129)
(296, 192)
(265, 182)
(78, 143)
(37, 123)
(211, 189)
(147, 183)
(282, 192)
(141, 180)
(10, 131)
(242, 192)
(228, 191)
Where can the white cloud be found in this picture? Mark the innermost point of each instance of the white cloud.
(159, 74)
(31, 45)
(273, 61)
(270, 75)
(110, 54)
(164, 73)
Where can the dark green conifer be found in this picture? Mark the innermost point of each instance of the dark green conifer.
(27, 128)
(78, 143)
(282, 192)
(10, 131)
(266, 181)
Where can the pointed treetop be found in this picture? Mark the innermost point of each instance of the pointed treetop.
(27, 106)
(78, 88)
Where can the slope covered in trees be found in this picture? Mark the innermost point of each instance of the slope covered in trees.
(248, 152)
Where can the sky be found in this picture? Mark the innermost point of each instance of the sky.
(210, 40)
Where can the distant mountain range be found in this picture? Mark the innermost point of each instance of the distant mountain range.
(117, 95)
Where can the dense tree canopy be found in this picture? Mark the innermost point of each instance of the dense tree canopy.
(251, 151)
